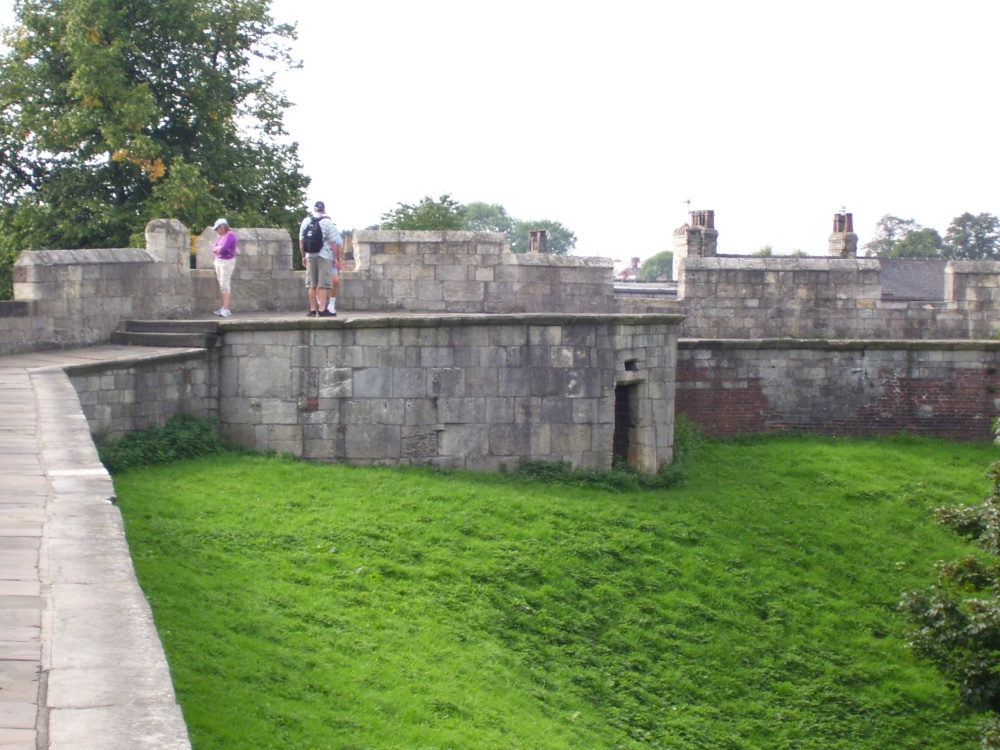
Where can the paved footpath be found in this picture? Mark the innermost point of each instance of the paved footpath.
(81, 665)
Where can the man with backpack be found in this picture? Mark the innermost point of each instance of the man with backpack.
(321, 245)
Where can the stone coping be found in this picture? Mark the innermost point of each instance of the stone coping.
(944, 345)
(433, 320)
(81, 663)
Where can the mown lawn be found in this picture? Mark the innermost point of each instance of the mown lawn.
(315, 606)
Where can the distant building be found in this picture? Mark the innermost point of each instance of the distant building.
(629, 274)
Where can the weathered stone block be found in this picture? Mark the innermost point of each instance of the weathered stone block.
(373, 382)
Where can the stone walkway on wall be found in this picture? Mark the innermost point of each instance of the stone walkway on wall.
(81, 664)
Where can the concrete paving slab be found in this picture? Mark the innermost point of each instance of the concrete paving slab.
(18, 739)
(103, 625)
(11, 529)
(19, 635)
(79, 505)
(18, 542)
(11, 461)
(92, 470)
(20, 588)
(97, 521)
(96, 686)
(14, 444)
(21, 520)
(70, 455)
(90, 562)
(18, 682)
(118, 728)
(95, 481)
(20, 466)
(18, 564)
(20, 618)
(14, 487)
(18, 714)
(21, 650)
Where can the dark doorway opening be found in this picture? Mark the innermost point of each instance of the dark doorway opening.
(622, 449)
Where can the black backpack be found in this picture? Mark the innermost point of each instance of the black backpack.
(312, 238)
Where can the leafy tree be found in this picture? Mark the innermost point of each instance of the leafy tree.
(889, 230)
(488, 217)
(660, 266)
(956, 624)
(765, 252)
(115, 112)
(560, 240)
(493, 217)
(443, 213)
(973, 237)
(918, 243)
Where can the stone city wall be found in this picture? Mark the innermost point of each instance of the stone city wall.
(836, 296)
(945, 388)
(79, 297)
(474, 392)
(263, 281)
(128, 395)
(20, 328)
(469, 272)
(752, 297)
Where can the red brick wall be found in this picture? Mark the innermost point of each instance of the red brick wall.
(948, 389)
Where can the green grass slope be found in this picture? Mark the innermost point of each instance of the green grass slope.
(308, 606)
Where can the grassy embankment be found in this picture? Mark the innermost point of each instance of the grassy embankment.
(306, 606)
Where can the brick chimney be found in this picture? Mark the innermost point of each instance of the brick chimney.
(538, 241)
(843, 241)
(697, 239)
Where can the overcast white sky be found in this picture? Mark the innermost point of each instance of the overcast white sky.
(608, 117)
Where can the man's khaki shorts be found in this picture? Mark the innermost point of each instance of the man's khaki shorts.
(319, 272)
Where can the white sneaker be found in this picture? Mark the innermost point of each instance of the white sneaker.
(217, 312)
(224, 313)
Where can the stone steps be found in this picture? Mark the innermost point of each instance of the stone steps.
(201, 334)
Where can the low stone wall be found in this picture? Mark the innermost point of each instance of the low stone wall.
(263, 281)
(78, 297)
(127, 395)
(474, 392)
(469, 272)
(773, 297)
(20, 328)
(945, 388)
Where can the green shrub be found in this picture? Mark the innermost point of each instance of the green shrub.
(956, 623)
(184, 436)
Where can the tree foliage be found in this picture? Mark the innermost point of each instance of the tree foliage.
(116, 112)
(446, 213)
(957, 622)
(560, 239)
(659, 266)
(489, 217)
(441, 214)
(973, 237)
(492, 217)
(918, 243)
(888, 231)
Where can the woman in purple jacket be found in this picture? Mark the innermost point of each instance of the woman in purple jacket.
(225, 261)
